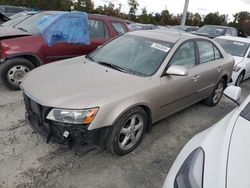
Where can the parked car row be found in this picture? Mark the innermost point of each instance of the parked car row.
(23, 47)
(113, 92)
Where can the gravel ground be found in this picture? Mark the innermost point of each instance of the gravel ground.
(27, 161)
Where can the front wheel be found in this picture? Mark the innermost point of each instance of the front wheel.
(240, 78)
(128, 132)
(217, 93)
(13, 71)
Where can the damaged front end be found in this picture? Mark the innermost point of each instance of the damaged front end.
(61, 133)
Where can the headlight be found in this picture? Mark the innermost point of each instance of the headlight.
(72, 116)
(236, 68)
(190, 174)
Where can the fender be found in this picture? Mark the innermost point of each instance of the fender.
(36, 60)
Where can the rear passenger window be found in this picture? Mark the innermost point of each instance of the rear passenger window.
(206, 51)
(98, 29)
(119, 27)
(234, 32)
(185, 55)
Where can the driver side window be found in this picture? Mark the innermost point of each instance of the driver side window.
(185, 55)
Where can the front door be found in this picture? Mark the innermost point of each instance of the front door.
(177, 92)
(99, 34)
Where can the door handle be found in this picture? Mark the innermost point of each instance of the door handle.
(220, 68)
(196, 77)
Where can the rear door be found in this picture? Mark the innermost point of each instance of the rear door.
(247, 63)
(209, 68)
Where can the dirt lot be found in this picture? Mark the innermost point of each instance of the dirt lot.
(27, 161)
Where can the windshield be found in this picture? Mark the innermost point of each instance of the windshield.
(31, 24)
(234, 48)
(136, 55)
(15, 21)
(212, 30)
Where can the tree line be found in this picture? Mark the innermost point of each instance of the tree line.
(241, 20)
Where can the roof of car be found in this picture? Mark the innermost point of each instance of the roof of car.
(238, 39)
(167, 35)
(109, 17)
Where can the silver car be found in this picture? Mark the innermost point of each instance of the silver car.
(113, 95)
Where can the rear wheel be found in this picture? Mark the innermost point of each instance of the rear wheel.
(128, 132)
(217, 93)
(240, 78)
(13, 71)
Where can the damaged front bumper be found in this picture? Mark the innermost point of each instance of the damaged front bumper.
(60, 133)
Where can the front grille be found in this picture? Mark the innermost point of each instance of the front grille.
(53, 131)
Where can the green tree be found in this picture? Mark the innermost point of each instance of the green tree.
(133, 4)
(165, 18)
(84, 5)
(215, 19)
(144, 18)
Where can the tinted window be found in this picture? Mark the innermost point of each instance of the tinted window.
(228, 32)
(185, 55)
(98, 29)
(206, 51)
(119, 27)
(136, 55)
(12, 10)
(234, 32)
(212, 30)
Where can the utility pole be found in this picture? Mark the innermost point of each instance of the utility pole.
(184, 15)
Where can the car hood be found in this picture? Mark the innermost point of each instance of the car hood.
(11, 32)
(238, 59)
(215, 143)
(79, 83)
(239, 155)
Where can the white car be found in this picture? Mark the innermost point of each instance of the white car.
(218, 157)
(239, 48)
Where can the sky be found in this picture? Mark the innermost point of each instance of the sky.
(176, 6)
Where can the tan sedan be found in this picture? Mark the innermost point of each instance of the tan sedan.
(111, 97)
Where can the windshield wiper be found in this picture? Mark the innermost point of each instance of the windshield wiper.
(112, 66)
(22, 29)
(89, 57)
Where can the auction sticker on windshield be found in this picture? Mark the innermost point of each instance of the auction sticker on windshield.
(160, 47)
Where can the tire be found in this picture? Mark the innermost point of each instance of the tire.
(13, 71)
(240, 78)
(124, 137)
(217, 93)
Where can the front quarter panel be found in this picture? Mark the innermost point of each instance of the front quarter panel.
(215, 143)
(111, 110)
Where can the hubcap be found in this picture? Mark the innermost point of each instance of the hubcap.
(16, 74)
(218, 92)
(130, 132)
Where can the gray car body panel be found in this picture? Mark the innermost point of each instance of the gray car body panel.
(78, 83)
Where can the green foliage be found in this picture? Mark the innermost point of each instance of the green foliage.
(215, 19)
(241, 19)
(41, 4)
(133, 4)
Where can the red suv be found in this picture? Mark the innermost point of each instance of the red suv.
(24, 48)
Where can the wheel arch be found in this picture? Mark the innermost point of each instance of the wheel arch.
(33, 58)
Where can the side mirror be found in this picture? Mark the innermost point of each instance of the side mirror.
(233, 93)
(177, 70)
